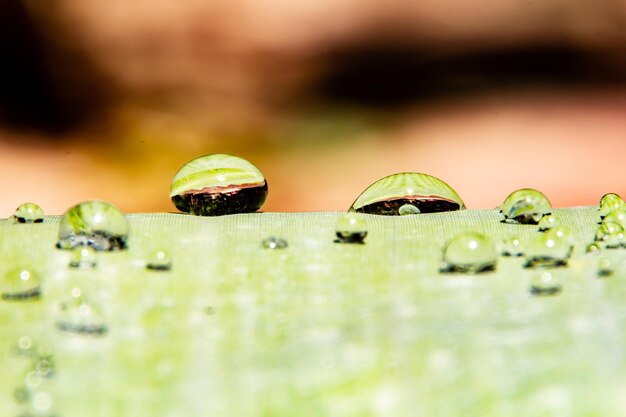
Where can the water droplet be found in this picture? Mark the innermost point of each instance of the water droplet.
(218, 184)
(427, 193)
(93, 223)
(469, 253)
(20, 285)
(24, 345)
(549, 249)
(77, 315)
(611, 234)
(83, 257)
(408, 209)
(513, 246)
(610, 202)
(548, 221)
(616, 216)
(351, 228)
(525, 206)
(593, 248)
(274, 242)
(159, 260)
(28, 213)
(605, 267)
(545, 283)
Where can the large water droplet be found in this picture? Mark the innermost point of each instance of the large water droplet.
(93, 223)
(83, 257)
(159, 260)
(20, 285)
(77, 315)
(512, 246)
(427, 193)
(611, 234)
(351, 228)
(549, 249)
(525, 206)
(28, 213)
(545, 283)
(274, 242)
(610, 202)
(469, 253)
(548, 221)
(218, 184)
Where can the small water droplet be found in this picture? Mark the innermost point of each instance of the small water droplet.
(611, 234)
(525, 206)
(616, 216)
(159, 260)
(93, 223)
(610, 202)
(77, 315)
(20, 285)
(351, 228)
(28, 213)
(549, 249)
(548, 221)
(425, 192)
(512, 246)
(274, 242)
(469, 253)
(218, 184)
(408, 209)
(545, 283)
(593, 248)
(605, 267)
(83, 257)
(24, 345)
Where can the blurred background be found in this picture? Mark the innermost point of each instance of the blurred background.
(108, 99)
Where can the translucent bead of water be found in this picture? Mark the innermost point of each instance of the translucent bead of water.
(20, 285)
(98, 224)
(548, 250)
(525, 206)
(351, 228)
(29, 213)
(425, 193)
(159, 260)
(545, 283)
(469, 253)
(274, 242)
(610, 202)
(548, 221)
(512, 246)
(218, 184)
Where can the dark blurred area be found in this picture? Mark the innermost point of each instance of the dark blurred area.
(108, 99)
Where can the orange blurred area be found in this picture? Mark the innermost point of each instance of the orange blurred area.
(108, 100)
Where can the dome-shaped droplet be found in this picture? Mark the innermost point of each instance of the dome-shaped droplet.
(469, 253)
(83, 257)
(93, 223)
(525, 206)
(593, 248)
(218, 184)
(549, 249)
(548, 221)
(427, 193)
(611, 234)
(159, 260)
(274, 242)
(610, 202)
(605, 267)
(28, 213)
(77, 315)
(20, 285)
(546, 283)
(351, 228)
(616, 216)
(512, 246)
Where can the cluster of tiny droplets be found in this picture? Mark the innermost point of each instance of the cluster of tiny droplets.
(31, 393)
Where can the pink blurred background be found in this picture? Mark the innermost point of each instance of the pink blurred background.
(108, 99)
